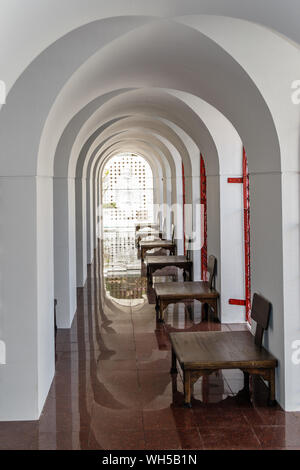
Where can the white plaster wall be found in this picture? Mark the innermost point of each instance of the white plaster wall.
(81, 242)
(45, 290)
(213, 223)
(64, 251)
(232, 250)
(89, 221)
(291, 244)
(266, 261)
(27, 301)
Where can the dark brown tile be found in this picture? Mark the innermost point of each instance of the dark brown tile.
(112, 419)
(229, 437)
(17, 435)
(162, 440)
(238, 326)
(62, 441)
(275, 417)
(278, 436)
(110, 366)
(116, 440)
(214, 418)
(169, 418)
(190, 439)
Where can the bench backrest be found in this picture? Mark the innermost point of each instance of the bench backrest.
(211, 269)
(260, 312)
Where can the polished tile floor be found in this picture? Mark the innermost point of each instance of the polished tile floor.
(112, 388)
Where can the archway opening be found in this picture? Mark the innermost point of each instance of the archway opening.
(127, 199)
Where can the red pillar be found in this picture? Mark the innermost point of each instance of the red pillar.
(204, 206)
(246, 197)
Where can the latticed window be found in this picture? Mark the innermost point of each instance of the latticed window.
(127, 190)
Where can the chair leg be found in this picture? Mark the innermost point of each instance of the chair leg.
(187, 389)
(215, 307)
(204, 312)
(190, 310)
(246, 381)
(157, 309)
(272, 400)
(161, 312)
(174, 363)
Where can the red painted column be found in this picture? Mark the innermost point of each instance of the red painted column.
(203, 193)
(246, 197)
(247, 252)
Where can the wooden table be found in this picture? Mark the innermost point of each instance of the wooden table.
(140, 225)
(202, 353)
(152, 244)
(174, 292)
(160, 262)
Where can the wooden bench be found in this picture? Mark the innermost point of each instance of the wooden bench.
(202, 353)
(174, 292)
(153, 244)
(160, 262)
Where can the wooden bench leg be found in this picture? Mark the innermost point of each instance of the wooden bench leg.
(187, 389)
(174, 363)
(215, 307)
(272, 400)
(157, 308)
(149, 275)
(204, 311)
(246, 381)
(190, 309)
(161, 311)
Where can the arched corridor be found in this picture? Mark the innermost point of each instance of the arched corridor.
(128, 113)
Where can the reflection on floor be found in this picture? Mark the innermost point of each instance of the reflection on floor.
(113, 390)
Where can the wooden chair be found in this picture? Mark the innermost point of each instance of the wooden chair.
(202, 353)
(174, 292)
(152, 244)
(160, 262)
